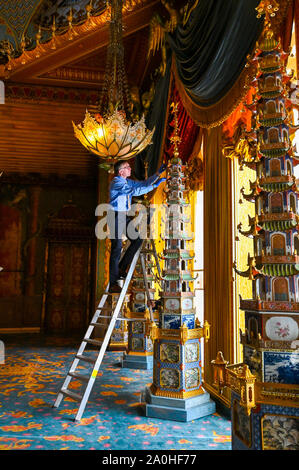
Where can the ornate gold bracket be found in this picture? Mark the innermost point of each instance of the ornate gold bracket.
(238, 378)
(183, 334)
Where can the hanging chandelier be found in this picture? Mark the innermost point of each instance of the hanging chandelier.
(111, 133)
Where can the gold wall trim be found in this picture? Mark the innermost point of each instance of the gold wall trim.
(169, 394)
(19, 330)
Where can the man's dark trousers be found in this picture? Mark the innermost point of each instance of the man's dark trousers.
(118, 225)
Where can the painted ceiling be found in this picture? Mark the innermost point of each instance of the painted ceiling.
(22, 18)
(64, 42)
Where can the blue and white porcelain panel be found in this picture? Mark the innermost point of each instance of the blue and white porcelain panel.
(281, 367)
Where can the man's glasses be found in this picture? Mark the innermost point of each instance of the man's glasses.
(123, 167)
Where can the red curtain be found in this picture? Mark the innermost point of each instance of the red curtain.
(188, 130)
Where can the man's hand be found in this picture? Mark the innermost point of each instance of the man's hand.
(158, 182)
(162, 169)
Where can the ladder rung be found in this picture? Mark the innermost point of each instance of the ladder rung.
(114, 293)
(70, 394)
(93, 341)
(105, 316)
(118, 318)
(82, 377)
(131, 319)
(98, 324)
(85, 358)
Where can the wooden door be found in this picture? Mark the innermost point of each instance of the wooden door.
(67, 288)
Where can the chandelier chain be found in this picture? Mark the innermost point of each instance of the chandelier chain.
(115, 90)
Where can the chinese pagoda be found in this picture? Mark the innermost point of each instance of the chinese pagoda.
(139, 353)
(176, 392)
(265, 389)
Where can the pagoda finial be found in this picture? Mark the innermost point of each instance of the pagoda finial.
(175, 139)
(267, 8)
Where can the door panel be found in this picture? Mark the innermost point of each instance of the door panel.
(67, 299)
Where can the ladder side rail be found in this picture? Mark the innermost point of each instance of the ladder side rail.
(81, 349)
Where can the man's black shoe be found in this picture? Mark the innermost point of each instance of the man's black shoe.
(122, 274)
(115, 289)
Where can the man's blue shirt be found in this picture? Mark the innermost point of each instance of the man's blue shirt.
(122, 190)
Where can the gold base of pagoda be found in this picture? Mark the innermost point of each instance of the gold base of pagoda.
(141, 315)
(114, 346)
(170, 394)
(143, 353)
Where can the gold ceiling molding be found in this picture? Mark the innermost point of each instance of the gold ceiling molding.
(76, 74)
(50, 95)
(92, 24)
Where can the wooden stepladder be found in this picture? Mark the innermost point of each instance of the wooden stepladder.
(102, 312)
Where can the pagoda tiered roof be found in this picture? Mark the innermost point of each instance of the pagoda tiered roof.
(179, 201)
(272, 92)
(177, 236)
(170, 275)
(273, 266)
(180, 217)
(270, 184)
(279, 225)
(174, 254)
(271, 223)
(276, 265)
(277, 183)
(273, 119)
(278, 269)
(274, 149)
(279, 216)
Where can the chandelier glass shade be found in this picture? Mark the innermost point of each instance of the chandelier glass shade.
(114, 137)
(110, 132)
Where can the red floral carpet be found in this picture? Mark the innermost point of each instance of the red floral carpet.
(30, 378)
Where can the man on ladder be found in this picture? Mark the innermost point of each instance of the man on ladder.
(121, 191)
(122, 188)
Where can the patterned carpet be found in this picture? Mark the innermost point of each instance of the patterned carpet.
(30, 378)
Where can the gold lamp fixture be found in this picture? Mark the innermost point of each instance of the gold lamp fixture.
(111, 133)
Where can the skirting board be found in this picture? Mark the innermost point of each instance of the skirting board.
(9, 331)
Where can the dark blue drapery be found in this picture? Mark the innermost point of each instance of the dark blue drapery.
(210, 53)
(211, 49)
